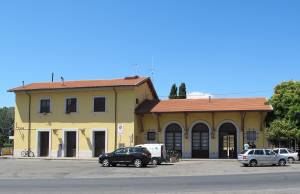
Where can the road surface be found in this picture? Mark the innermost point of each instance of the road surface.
(252, 183)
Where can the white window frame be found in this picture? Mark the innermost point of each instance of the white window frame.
(38, 141)
(64, 141)
(92, 135)
(39, 105)
(77, 104)
(93, 104)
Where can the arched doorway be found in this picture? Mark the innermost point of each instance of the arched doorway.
(173, 138)
(227, 141)
(200, 141)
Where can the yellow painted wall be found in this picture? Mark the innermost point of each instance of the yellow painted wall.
(84, 119)
(252, 122)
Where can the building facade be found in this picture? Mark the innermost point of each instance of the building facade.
(83, 119)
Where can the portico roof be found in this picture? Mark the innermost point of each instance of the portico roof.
(204, 105)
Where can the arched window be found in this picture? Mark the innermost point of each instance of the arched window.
(200, 141)
(173, 138)
(227, 141)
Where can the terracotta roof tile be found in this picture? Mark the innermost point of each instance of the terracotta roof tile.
(204, 105)
(129, 81)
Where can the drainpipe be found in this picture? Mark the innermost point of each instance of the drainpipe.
(29, 122)
(115, 117)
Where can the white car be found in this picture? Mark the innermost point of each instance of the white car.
(291, 155)
(255, 157)
(158, 152)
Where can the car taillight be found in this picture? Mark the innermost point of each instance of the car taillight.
(244, 157)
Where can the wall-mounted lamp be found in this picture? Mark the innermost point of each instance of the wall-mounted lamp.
(55, 131)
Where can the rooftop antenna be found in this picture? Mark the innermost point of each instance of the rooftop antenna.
(62, 80)
(23, 83)
(136, 68)
(52, 77)
(152, 69)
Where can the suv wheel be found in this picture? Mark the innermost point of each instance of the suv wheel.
(105, 163)
(138, 163)
(282, 162)
(291, 160)
(253, 163)
(155, 161)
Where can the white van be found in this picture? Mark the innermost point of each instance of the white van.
(158, 152)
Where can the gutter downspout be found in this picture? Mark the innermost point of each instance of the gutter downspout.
(29, 122)
(115, 117)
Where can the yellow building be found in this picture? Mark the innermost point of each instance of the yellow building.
(85, 118)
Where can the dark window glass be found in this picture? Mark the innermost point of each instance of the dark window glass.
(259, 152)
(269, 152)
(121, 151)
(71, 105)
(151, 136)
(45, 106)
(283, 151)
(251, 152)
(99, 104)
(251, 136)
(276, 151)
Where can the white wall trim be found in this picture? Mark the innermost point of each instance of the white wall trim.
(37, 140)
(93, 130)
(237, 134)
(182, 133)
(64, 141)
(209, 135)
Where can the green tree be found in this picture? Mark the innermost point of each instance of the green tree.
(281, 131)
(284, 122)
(6, 123)
(286, 101)
(173, 92)
(182, 91)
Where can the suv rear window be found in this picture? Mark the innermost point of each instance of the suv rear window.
(244, 151)
(283, 151)
(258, 152)
(138, 149)
(251, 152)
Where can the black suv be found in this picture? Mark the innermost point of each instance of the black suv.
(138, 156)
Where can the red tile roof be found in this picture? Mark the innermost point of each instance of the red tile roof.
(204, 105)
(128, 81)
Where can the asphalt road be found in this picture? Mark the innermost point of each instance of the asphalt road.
(252, 183)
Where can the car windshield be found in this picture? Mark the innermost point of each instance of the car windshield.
(276, 151)
(291, 151)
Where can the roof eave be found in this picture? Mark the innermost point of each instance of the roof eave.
(206, 111)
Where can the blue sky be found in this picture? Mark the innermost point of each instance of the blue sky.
(225, 48)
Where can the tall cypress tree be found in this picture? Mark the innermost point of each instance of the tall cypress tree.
(182, 91)
(173, 92)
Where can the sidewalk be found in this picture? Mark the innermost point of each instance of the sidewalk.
(7, 157)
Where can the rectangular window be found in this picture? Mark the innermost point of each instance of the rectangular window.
(71, 105)
(251, 136)
(151, 136)
(45, 106)
(99, 104)
(259, 152)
